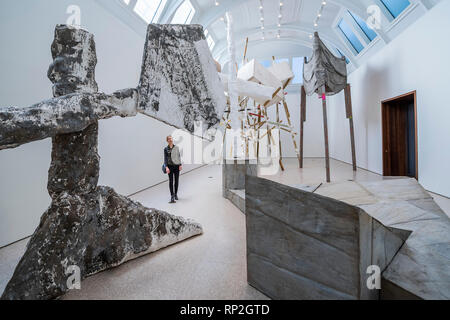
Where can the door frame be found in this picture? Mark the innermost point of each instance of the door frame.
(383, 129)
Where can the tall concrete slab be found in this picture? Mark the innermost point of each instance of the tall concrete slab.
(233, 181)
(302, 245)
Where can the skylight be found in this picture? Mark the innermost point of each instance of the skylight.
(209, 39)
(149, 10)
(396, 7)
(370, 33)
(266, 63)
(343, 55)
(350, 35)
(282, 60)
(184, 14)
(297, 68)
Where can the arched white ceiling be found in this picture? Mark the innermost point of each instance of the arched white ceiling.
(298, 29)
(297, 24)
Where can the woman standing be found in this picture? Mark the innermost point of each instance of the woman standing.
(172, 160)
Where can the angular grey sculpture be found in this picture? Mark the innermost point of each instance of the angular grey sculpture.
(324, 69)
(305, 246)
(233, 181)
(421, 269)
(179, 81)
(318, 244)
(87, 226)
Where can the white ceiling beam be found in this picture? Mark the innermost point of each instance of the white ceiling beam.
(169, 10)
(327, 36)
(286, 40)
(210, 16)
(358, 7)
(426, 4)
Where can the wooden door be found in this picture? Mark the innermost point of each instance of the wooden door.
(399, 121)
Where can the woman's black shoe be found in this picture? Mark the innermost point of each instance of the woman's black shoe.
(172, 199)
(176, 197)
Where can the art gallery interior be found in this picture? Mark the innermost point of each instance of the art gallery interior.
(350, 96)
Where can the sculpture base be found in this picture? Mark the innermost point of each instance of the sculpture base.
(93, 232)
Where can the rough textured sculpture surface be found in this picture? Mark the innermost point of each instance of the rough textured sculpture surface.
(94, 231)
(324, 69)
(69, 113)
(179, 86)
(87, 226)
(179, 81)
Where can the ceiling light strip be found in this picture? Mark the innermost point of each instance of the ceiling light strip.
(261, 11)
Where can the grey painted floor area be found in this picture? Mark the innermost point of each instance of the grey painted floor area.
(210, 266)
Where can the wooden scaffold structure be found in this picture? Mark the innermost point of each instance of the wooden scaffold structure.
(266, 87)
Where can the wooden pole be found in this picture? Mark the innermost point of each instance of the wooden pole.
(269, 148)
(349, 111)
(279, 137)
(257, 146)
(245, 51)
(325, 131)
(302, 120)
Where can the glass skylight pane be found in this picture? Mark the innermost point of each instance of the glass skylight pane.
(282, 60)
(160, 9)
(297, 68)
(343, 55)
(184, 14)
(147, 9)
(210, 41)
(350, 35)
(396, 7)
(190, 16)
(370, 33)
(266, 63)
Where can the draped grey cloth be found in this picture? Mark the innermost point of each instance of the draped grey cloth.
(324, 69)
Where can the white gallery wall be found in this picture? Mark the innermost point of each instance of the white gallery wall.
(130, 149)
(418, 59)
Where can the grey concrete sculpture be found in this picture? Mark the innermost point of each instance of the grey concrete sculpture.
(421, 269)
(317, 244)
(305, 246)
(233, 181)
(87, 226)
